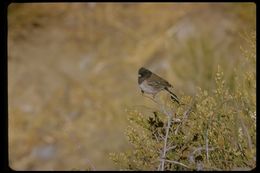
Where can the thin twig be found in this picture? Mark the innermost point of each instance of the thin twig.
(156, 137)
(170, 119)
(191, 156)
(171, 148)
(175, 162)
(201, 148)
(207, 147)
(246, 133)
(160, 135)
(165, 142)
(185, 116)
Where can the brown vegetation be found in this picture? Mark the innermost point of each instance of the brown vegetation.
(72, 71)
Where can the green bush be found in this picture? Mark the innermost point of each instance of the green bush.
(215, 130)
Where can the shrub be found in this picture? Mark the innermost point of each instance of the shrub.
(215, 130)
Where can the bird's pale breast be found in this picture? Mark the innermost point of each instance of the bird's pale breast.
(147, 88)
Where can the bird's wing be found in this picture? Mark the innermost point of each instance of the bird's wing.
(155, 84)
(163, 82)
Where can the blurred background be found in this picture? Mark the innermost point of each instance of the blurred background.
(72, 71)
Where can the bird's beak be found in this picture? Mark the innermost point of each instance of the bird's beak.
(139, 75)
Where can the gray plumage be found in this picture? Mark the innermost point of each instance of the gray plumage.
(151, 83)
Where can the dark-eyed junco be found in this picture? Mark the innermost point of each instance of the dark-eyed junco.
(151, 83)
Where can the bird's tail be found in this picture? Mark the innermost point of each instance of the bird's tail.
(173, 96)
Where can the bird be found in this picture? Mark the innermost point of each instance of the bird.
(150, 83)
